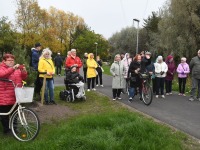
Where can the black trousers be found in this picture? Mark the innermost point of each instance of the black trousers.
(160, 82)
(38, 85)
(85, 72)
(182, 83)
(116, 93)
(168, 86)
(58, 70)
(99, 78)
(89, 82)
(5, 119)
(154, 85)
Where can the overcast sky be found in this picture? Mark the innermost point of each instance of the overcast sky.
(103, 16)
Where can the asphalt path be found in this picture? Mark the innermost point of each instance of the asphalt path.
(174, 110)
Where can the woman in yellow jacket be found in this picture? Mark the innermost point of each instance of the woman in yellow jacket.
(46, 67)
(91, 71)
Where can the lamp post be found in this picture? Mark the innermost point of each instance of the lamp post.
(96, 47)
(138, 21)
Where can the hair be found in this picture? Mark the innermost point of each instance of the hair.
(136, 57)
(117, 55)
(184, 59)
(6, 56)
(46, 50)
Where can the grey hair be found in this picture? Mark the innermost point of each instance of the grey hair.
(46, 50)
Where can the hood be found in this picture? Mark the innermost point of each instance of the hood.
(125, 56)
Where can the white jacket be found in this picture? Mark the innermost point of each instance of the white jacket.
(160, 67)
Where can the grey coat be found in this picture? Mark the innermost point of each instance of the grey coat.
(118, 71)
(195, 67)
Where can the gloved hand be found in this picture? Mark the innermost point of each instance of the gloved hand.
(182, 72)
(162, 72)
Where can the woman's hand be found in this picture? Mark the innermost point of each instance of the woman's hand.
(16, 66)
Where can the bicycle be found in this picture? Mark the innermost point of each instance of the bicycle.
(23, 122)
(146, 93)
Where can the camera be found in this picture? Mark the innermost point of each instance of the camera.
(21, 67)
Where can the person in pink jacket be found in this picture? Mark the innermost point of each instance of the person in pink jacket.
(16, 73)
(183, 70)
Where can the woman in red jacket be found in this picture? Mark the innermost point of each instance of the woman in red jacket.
(8, 70)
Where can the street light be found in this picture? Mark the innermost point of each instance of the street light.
(96, 47)
(138, 21)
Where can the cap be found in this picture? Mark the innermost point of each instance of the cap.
(37, 44)
(73, 50)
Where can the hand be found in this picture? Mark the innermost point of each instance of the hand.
(162, 72)
(150, 73)
(49, 73)
(172, 73)
(136, 71)
(182, 72)
(16, 66)
(148, 57)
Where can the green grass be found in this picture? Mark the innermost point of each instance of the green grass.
(102, 124)
(106, 69)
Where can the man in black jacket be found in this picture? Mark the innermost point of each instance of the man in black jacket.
(58, 63)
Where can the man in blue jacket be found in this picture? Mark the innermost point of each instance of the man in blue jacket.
(35, 60)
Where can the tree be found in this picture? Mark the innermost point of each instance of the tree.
(8, 36)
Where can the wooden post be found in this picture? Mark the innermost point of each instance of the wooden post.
(43, 89)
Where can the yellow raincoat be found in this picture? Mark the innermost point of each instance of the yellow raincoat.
(46, 65)
(91, 67)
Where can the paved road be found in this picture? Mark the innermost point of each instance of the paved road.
(174, 110)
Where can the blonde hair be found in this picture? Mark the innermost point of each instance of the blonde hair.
(45, 51)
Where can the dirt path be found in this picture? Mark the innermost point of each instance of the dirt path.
(50, 113)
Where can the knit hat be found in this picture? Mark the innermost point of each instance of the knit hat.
(169, 57)
(160, 58)
(147, 53)
(37, 44)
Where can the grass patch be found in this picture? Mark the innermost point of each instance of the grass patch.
(102, 125)
(107, 69)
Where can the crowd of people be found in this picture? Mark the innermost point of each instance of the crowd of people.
(125, 71)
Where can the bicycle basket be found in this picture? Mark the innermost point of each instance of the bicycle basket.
(24, 95)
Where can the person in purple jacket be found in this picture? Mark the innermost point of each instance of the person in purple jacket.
(183, 70)
(170, 74)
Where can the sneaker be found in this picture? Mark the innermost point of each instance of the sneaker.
(88, 90)
(119, 98)
(163, 96)
(46, 103)
(156, 96)
(170, 93)
(102, 85)
(97, 85)
(180, 94)
(191, 99)
(59, 75)
(114, 99)
(141, 98)
(53, 102)
(184, 95)
(94, 89)
(167, 94)
(130, 99)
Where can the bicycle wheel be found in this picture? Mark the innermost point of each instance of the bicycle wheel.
(147, 94)
(26, 126)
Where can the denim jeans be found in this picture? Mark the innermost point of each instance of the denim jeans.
(131, 92)
(49, 89)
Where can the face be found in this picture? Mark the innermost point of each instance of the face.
(122, 55)
(139, 59)
(198, 53)
(46, 55)
(117, 58)
(91, 55)
(74, 69)
(73, 53)
(171, 60)
(148, 56)
(9, 62)
(39, 48)
(160, 61)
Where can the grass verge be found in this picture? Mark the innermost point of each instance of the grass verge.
(102, 124)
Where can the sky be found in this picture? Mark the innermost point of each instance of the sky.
(105, 17)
